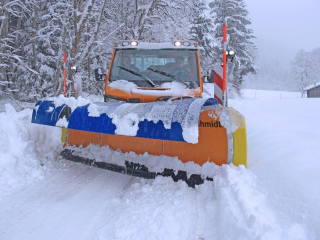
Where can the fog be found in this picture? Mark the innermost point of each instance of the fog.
(283, 27)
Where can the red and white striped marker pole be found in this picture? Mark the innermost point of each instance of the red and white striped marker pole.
(218, 82)
(220, 73)
(64, 73)
(224, 86)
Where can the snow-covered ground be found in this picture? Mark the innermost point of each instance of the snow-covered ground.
(276, 197)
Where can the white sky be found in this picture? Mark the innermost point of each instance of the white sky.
(283, 27)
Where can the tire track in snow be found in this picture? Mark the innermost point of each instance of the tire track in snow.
(206, 210)
(242, 207)
(96, 205)
(154, 209)
(35, 199)
(192, 199)
(58, 205)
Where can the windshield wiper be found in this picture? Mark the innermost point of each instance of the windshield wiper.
(140, 75)
(169, 75)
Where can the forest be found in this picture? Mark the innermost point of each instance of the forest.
(34, 35)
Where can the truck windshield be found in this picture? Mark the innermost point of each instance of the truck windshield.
(142, 66)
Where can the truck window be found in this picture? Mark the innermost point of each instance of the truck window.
(160, 65)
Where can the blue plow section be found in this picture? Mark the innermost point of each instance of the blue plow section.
(150, 117)
(46, 113)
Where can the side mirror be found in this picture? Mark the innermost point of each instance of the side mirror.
(208, 77)
(204, 79)
(98, 75)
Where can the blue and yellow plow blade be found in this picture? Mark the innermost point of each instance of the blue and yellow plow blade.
(194, 130)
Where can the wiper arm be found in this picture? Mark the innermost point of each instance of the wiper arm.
(169, 75)
(139, 74)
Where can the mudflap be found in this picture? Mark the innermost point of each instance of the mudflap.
(137, 170)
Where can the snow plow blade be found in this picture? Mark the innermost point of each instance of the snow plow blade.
(46, 112)
(138, 170)
(195, 130)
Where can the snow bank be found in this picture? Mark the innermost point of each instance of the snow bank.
(25, 149)
(231, 207)
(161, 210)
(243, 211)
(283, 152)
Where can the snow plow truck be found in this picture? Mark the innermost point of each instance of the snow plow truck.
(153, 104)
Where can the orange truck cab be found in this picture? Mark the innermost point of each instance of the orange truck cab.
(142, 72)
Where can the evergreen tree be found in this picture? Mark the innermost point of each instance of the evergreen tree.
(13, 15)
(235, 14)
(202, 31)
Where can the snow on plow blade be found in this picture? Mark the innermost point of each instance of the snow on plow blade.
(195, 130)
(46, 112)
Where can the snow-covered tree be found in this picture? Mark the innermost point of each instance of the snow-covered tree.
(202, 31)
(156, 21)
(149, 20)
(305, 69)
(235, 15)
(315, 66)
(38, 45)
(11, 31)
(34, 34)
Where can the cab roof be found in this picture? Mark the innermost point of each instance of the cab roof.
(127, 44)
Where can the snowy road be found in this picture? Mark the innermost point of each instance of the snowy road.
(45, 197)
(88, 203)
(58, 206)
